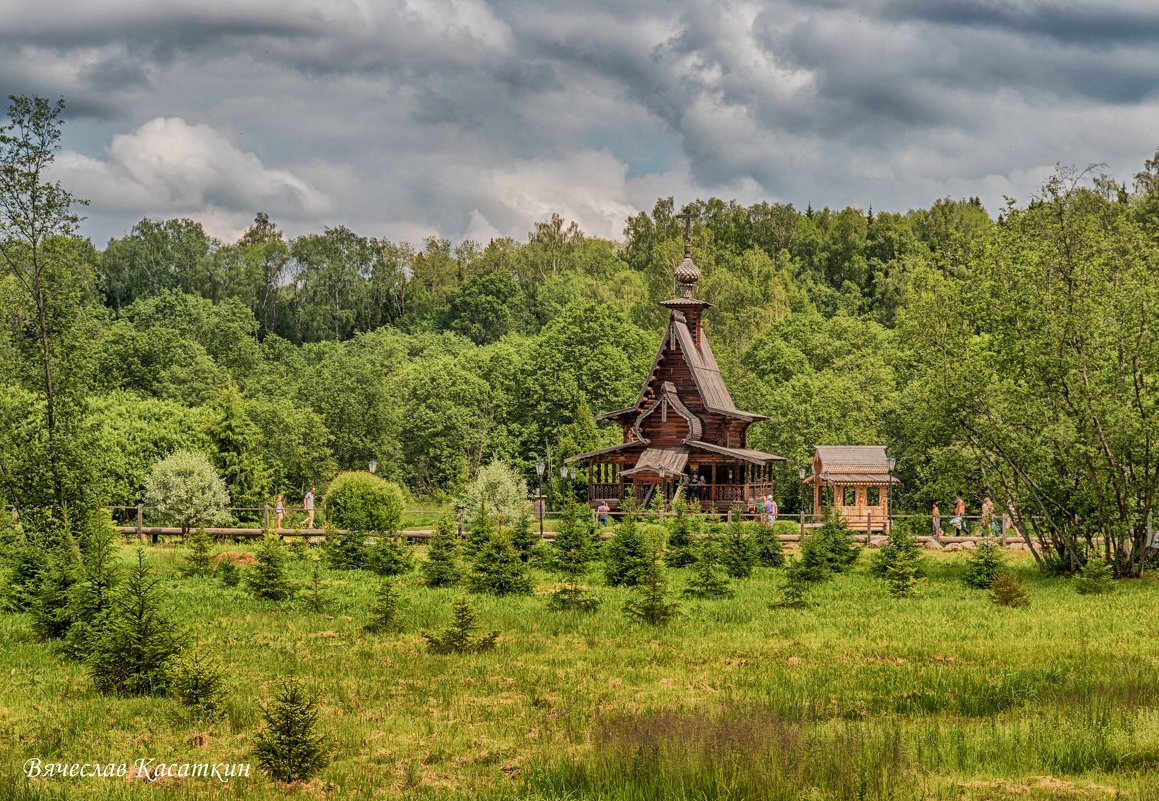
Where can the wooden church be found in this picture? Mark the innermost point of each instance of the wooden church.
(683, 429)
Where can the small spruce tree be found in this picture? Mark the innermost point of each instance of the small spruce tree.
(984, 564)
(799, 579)
(834, 543)
(199, 560)
(905, 566)
(523, 536)
(770, 552)
(683, 526)
(571, 551)
(625, 555)
(1095, 578)
(289, 748)
(390, 556)
(269, 579)
(229, 572)
(92, 596)
(198, 682)
(459, 637)
(739, 550)
(650, 603)
(441, 568)
(52, 615)
(136, 639)
(316, 599)
(498, 570)
(384, 614)
(1008, 590)
(344, 550)
(706, 580)
(480, 530)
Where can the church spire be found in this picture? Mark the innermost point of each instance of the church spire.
(687, 273)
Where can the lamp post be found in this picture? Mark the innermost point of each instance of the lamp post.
(373, 466)
(891, 464)
(539, 468)
(801, 476)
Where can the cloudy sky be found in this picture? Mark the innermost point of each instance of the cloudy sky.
(473, 118)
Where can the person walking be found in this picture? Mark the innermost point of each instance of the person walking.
(308, 505)
(959, 519)
(936, 519)
(279, 511)
(602, 513)
(987, 517)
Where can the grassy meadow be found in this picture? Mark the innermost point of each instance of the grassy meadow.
(861, 696)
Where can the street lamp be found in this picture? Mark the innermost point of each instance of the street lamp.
(539, 510)
(801, 486)
(373, 466)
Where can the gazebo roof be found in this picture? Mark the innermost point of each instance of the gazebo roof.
(851, 464)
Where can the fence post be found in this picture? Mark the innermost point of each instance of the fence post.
(266, 516)
(802, 522)
(868, 525)
(140, 523)
(1005, 527)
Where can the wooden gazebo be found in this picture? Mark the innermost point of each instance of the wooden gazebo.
(683, 428)
(854, 480)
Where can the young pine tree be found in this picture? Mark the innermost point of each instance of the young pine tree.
(384, 614)
(459, 637)
(135, 639)
(1008, 590)
(1096, 577)
(52, 614)
(706, 580)
(390, 556)
(683, 527)
(650, 603)
(198, 682)
(199, 560)
(523, 536)
(571, 551)
(984, 565)
(229, 572)
(625, 555)
(905, 565)
(289, 748)
(834, 543)
(799, 579)
(498, 570)
(441, 568)
(316, 598)
(480, 530)
(269, 579)
(344, 550)
(739, 550)
(93, 595)
(770, 552)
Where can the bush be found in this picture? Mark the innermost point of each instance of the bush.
(498, 570)
(500, 492)
(906, 563)
(1009, 590)
(198, 682)
(1095, 578)
(984, 564)
(360, 501)
(833, 543)
(900, 539)
(269, 579)
(135, 639)
(390, 556)
(184, 488)
(573, 598)
(441, 568)
(459, 637)
(289, 748)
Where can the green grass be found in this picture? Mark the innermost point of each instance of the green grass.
(861, 696)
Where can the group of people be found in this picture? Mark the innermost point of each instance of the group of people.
(989, 524)
(307, 507)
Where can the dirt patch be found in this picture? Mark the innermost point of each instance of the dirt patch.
(242, 558)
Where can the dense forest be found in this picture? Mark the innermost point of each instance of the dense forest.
(1010, 354)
